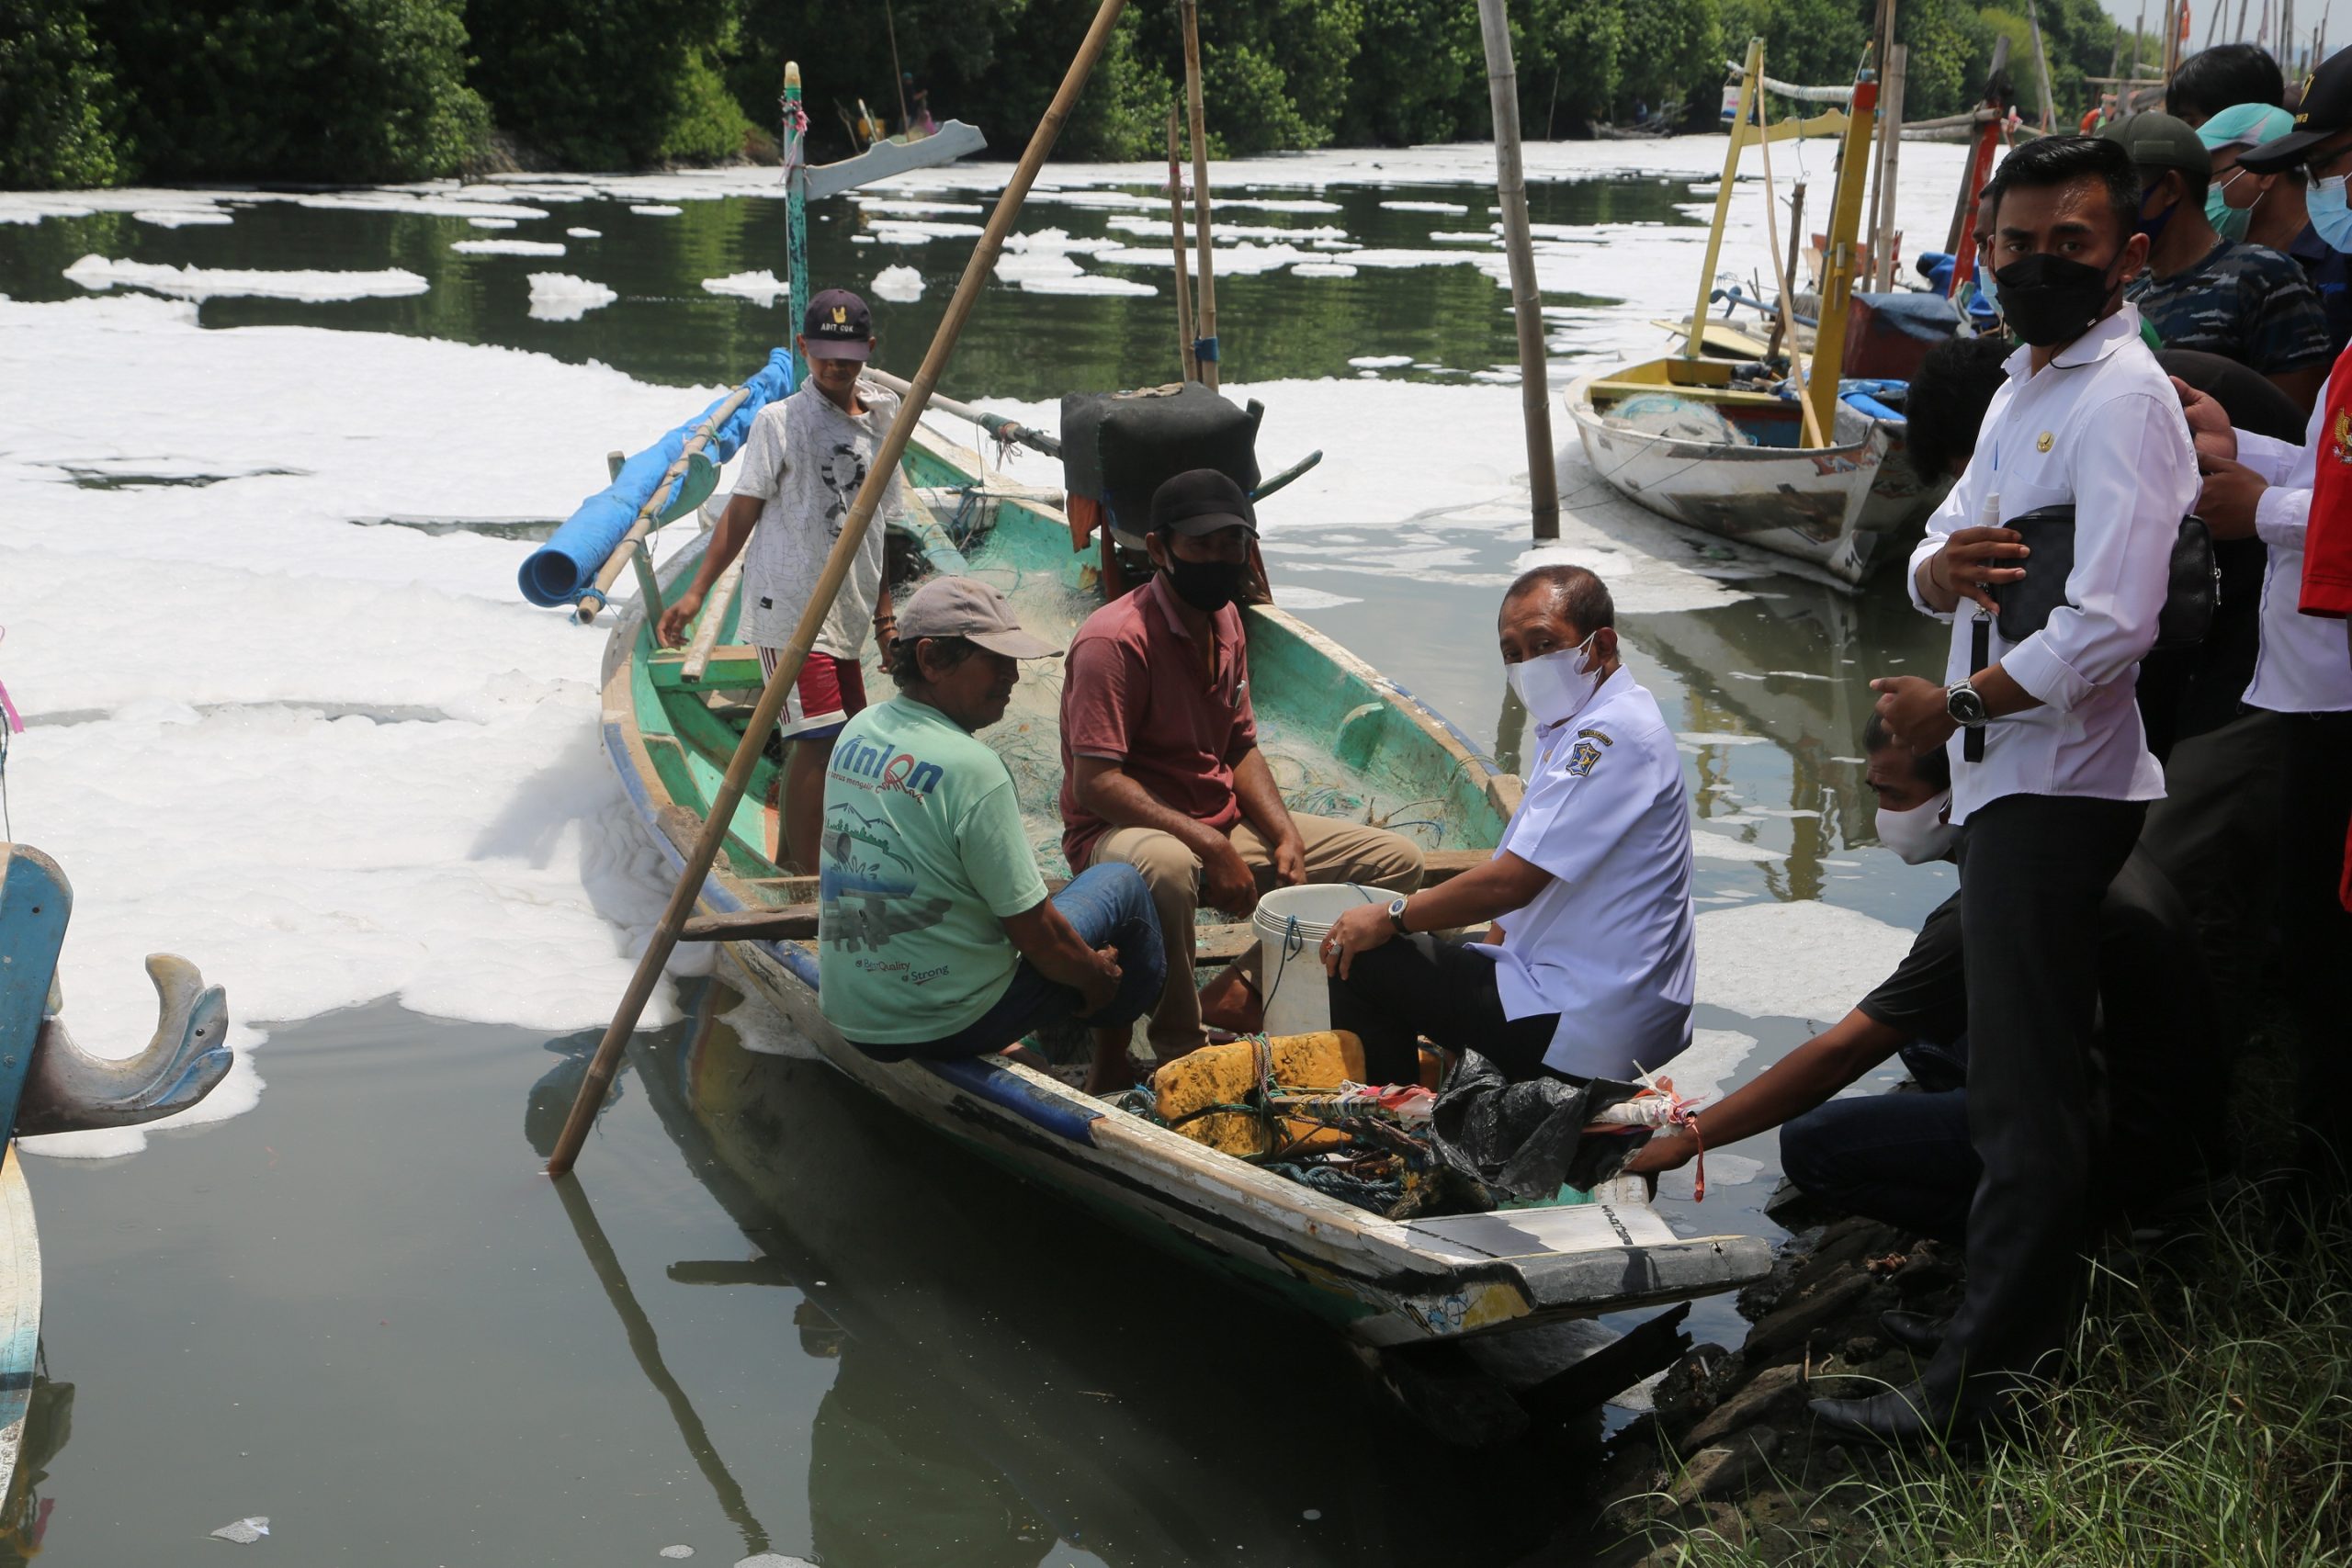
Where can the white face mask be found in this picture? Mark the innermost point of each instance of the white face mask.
(1920, 834)
(1554, 687)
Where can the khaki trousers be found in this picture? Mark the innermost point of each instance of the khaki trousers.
(1335, 852)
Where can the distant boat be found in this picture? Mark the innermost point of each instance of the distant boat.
(1724, 446)
(48, 1084)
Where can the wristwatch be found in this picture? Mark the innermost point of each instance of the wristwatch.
(1397, 916)
(1966, 706)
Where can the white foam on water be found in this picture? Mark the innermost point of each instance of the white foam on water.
(1466, 236)
(655, 210)
(1156, 227)
(904, 209)
(99, 272)
(508, 247)
(183, 217)
(410, 201)
(379, 773)
(1805, 959)
(761, 288)
(1715, 846)
(1041, 263)
(899, 285)
(1381, 361)
(1424, 207)
(913, 232)
(561, 296)
(585, 233)
(491, 223)
(1322, 269)
(1292, 597)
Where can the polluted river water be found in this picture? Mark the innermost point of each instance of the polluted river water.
(268, 462)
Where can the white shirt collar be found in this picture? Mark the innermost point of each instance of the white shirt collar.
(1618, 679)
(2104, 338)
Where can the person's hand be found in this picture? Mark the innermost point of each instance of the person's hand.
(1914, 713)
(1669, 1148)
(1100, 985)
(2228, 498)
(1360, 930)
(2209, 423)
(1290, 859)
(1227, 882)
(1974, 561)
(672, 630)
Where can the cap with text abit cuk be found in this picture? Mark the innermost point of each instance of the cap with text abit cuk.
(1201, 500)
(2326, 108)
(838, 326)
(973, 610)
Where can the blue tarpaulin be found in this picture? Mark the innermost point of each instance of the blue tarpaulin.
(560, 570)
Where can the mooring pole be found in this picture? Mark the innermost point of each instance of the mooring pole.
(1526, 298)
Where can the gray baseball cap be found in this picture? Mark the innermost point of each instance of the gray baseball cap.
(969, 608)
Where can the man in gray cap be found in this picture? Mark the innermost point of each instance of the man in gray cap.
(935, 938)
(2241, 300)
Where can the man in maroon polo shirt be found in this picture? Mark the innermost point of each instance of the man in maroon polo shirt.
(1161, 765)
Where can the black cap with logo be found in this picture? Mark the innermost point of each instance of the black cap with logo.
(838, 326)
(2326, 108)
(1201, 500)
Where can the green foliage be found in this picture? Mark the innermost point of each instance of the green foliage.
(293, 89)
(56, 102)
(1420, 74)
(1814, 41)
(618, 85)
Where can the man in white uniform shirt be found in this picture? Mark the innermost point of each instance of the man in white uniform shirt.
(2050, 769)
(1587, 969)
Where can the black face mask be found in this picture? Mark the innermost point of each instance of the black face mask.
(1207, 586)
(2049, 300)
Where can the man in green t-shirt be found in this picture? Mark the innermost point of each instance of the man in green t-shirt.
(935, 938)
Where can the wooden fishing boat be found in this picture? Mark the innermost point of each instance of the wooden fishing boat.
(1805, 465)
(1342, 740)
(48, 1084)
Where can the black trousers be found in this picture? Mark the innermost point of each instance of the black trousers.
(1417, 985)
(2316, 932)
(2034, 870)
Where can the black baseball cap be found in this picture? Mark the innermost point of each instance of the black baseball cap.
(1201, 500)
(2326, 108)
(838, 326)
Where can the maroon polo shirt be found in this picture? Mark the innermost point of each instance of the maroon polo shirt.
(1135, 691)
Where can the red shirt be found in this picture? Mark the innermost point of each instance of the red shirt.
(2327, 539)
(1137, 692)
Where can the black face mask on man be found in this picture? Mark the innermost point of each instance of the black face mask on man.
(1207, 586)
(2049, 300)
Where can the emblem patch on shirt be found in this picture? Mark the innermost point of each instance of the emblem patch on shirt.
(1582, 758)
(2041, 442)
(2342, 436)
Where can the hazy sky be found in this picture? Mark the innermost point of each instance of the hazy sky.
(2307, 13)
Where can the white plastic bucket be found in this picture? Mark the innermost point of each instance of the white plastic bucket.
(1291, 924)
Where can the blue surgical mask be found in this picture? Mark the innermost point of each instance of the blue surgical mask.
(2328, 213)
(2155, 227)
(1985, 289)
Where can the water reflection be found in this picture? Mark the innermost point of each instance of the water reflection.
(1010, 1375)
(49, 1423)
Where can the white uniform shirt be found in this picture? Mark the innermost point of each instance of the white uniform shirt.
(805, 461)
(1608, 943)
(2300, 666)
(2099, 426)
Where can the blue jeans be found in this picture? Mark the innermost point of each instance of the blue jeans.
(1904, 1158)
(1108, 905)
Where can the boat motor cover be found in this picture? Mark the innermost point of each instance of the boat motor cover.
(560, 570)
(1118, 448)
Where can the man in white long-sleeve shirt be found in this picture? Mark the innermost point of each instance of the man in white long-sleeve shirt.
(2050, 769)
(2260, 488)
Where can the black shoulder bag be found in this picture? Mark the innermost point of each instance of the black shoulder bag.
(2193, 592)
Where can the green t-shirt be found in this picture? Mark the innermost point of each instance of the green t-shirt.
(924, 853)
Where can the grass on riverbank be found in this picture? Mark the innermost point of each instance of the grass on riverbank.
(2208, 1421)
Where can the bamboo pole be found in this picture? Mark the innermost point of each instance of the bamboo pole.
(1786, 315)
(2042, 65)
(2243, 7)
(996, 425)
(1884, 263)
(795, 147)
(1837, 270)
(705, 642)
(1751, 76)
(1526, 297)
(1204, 351)
(1882, 36)
(885, 468)
(1192, 367)
(1784, 319)
(898, 76)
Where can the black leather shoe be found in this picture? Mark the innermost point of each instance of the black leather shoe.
(1914, 1331)
(1896, 1417)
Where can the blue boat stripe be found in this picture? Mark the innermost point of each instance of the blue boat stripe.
(975, 1076)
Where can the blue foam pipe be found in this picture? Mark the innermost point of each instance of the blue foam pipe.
(560, 570)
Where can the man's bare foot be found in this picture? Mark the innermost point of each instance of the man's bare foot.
(1228, 1002)
(1112, 1070)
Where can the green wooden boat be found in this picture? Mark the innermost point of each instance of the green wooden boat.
(1343, 740)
